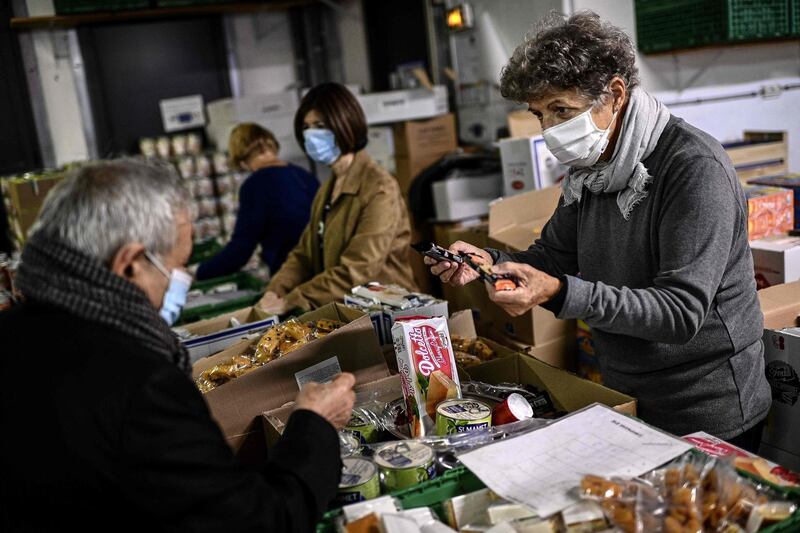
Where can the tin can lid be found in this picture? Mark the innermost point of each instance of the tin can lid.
(519, 406)
(357, 420)
(356, 472)
(402, 455)
(464, 409)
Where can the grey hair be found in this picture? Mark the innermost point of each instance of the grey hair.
(100, 207)
(580, 53)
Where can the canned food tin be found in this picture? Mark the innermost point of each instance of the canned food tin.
(359, 481)
(404, 464)
(513, 409)
(349, 444)
(461, 416)
(362, 427)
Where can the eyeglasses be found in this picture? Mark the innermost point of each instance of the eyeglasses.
(156, 262)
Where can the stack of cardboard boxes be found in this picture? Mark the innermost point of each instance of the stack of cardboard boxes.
(24, 197)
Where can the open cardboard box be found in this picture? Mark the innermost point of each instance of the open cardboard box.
(217, 334)
(237, 404)
(568, 391)
(781, 306)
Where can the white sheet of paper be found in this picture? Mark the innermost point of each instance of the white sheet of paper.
(542, 468)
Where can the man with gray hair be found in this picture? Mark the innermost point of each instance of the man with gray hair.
(108, 429)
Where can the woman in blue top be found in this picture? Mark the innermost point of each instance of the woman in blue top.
(274, 204)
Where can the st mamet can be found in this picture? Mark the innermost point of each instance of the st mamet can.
(359, 481)
(404, 464)
(363, 428)
(461, 416)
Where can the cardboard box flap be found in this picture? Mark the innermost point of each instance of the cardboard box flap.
(462, 324)
(247, 315)
(528, 208)
(780, 305)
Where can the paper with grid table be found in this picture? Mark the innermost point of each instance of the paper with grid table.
(542, 469)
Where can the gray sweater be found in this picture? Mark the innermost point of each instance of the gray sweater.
(669, 294)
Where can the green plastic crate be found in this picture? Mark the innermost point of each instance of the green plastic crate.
(74, 7)
(664, 25)
(460, 481)
(243, 282)
(187, 3)
(204, 250)
(431, 494)
(794, 18)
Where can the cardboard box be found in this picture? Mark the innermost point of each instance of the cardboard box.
(396, 106)
(568, 391)
(788, 181)
(776, 260)
(274, 112)
(463, 195)
(770, 211)
(216, 334)
(760, 154)
(237, 404)
(24, 197)
(560, 352)
(380, 147)
(384, 318)
(781, 305)
(472, 296)
(522, 123)
(528, 165)
(516, 222)
(421, 143)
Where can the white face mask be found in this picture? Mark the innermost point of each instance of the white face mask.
(578, 142)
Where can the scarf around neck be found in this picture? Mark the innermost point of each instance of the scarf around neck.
(58, 275)
(644, 122)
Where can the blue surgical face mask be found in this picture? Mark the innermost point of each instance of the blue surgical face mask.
(321, 145)
(175, 297)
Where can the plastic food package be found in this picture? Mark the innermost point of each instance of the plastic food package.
(694, 494)
(471, 352)
(204, 187)
(277, 341)
(427, 368)
(227, 204)
(202, 166)
(194, 144)
(163, 147)
(147, 147)
(179, 144)
(207, 207)
(220, 163)
(391, 295)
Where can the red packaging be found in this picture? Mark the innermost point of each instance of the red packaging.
(513, 409)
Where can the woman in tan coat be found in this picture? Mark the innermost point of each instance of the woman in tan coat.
(359, 229)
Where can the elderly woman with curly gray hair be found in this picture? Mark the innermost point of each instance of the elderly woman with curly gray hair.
(648, 244)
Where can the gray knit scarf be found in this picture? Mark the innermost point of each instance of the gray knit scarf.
(645, 120)
(58, 275)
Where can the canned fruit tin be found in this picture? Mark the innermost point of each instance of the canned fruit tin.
(362, 427)
(404, 464)
(513, 409)
(461, 416)
(359, 481)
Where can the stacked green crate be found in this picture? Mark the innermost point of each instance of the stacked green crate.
(75, 7)
(794, 17)
(664, 25)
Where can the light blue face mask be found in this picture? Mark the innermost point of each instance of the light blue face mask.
(321, 145)
(175, 297)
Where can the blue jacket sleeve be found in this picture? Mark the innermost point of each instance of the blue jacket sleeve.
(254, 210)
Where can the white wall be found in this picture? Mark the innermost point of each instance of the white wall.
(58, 89)
(261, 45)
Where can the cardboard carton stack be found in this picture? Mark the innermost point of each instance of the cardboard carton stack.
(421, 143)
(24, 197)
(761, 153)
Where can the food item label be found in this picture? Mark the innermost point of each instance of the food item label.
(320, 373)
(427, 368)
(359, 481)
(461, 416)
(404, 464)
